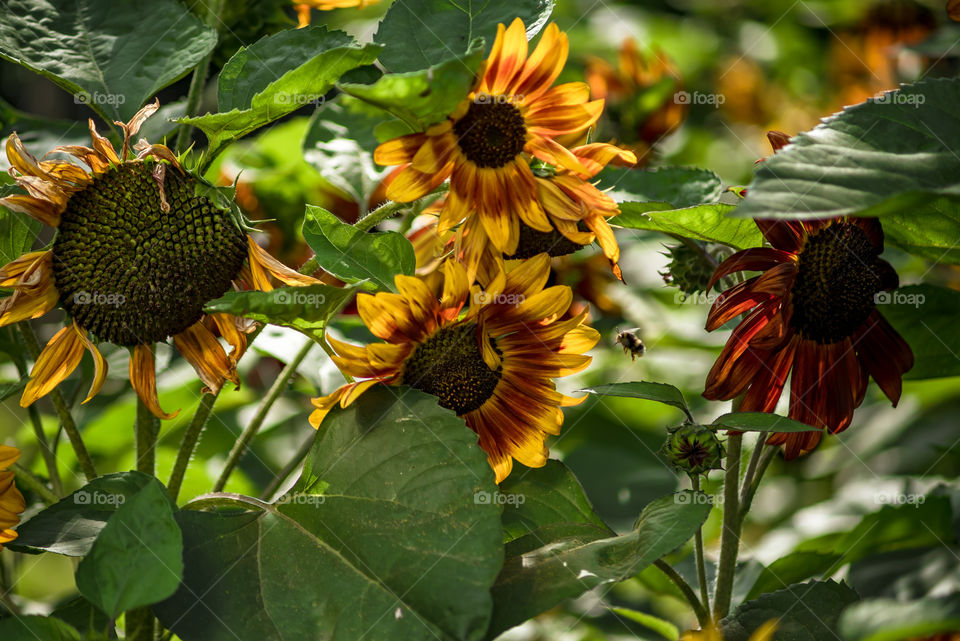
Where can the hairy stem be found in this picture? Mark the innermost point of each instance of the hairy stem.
(750, 487)
(703, 617)
(288, 372)
(29, 479)
(698, 553)
(189, 443)
(146, 431)
(730, 537)
(63, 410)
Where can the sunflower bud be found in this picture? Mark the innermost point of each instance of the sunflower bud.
(689, 270)
(693, 449)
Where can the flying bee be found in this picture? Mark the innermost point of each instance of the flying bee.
(629, 339)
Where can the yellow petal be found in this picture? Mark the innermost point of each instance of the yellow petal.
(8, 456)
(144, 380)
(232, 333)
(261, 263)
(99, 364)
(56, 362)
(202, 350)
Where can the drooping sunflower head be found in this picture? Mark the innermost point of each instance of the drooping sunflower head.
(11, 501)
(811, 312)
(141, 246)
(493, 363)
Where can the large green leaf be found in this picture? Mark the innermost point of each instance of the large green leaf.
(423, 97)
(926, 317)
(546, 497)
(37, 628)
(137, 559)
(660, 392)
(353, 255)
(307, 309)
(897, 156)
(710, 223)
(537, 580)
(679, 186)
(71, 525)
(398, 546)
(277, 75)
(421, 33)
(113, 56)
(889, 620)
(339, 143)
(805, 612)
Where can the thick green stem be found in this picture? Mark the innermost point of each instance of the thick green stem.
(189, 443)
(730, 537)
(198, 81)
(46, 451)
(63, 411)
(288, 372)
(146, 431)
(703, 617)
(29, 479)
(698, 553)
(387, 210)
(751, 483)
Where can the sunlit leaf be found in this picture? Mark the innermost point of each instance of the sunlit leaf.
(710, 223)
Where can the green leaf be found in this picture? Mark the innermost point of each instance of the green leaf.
(398, 546)
(307, 309)
(37, 628)
(789, 569)
(421, 33)
(339, 143)
(113, 56)
(710, 223)
(679, 186)
(546, 496)
(353, 255)
(423, 97)
(537, 580)
(664, 628)
(890, 620)
(806, 612)
(894, 156)
(254, 94)
(85, 617)
(17, 234)
(137, 559)
(926, 317)
(761, 422)
(71, 525)
(660, 392)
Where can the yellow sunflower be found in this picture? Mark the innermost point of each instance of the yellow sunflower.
(140, 248)
(11, 501)
(486, 145)
(493, 365)
(576, 211)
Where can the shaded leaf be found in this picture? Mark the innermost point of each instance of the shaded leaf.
(660, 392)
(926, 317)
(679, 186)
(37, 628)
(710, 223)
(761, 422)
(806, 612)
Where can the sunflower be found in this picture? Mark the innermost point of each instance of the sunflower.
(493, 365)
(11, 501)
(812, 311)
(485, 147)
(576, 212)
(140, 248)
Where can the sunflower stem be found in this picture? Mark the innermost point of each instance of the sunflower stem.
(198, 81)
(390, 209)
(35, 483)
(703, 617)
(750, 488)
(146, 431)
(730, 536)
(188, 443)
(63, 410)
(46, 451)
(288, 372)
(698, 554)
(288, 469)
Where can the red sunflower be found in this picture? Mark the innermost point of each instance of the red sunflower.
(813, 312)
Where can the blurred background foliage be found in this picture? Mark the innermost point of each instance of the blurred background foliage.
(748, 66)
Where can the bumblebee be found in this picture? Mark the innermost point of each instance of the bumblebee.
(629, 339)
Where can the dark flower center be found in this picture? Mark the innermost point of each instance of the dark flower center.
(131, 273)
(839, 274)
(449, 365)
(533, 242)
(492, 133)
